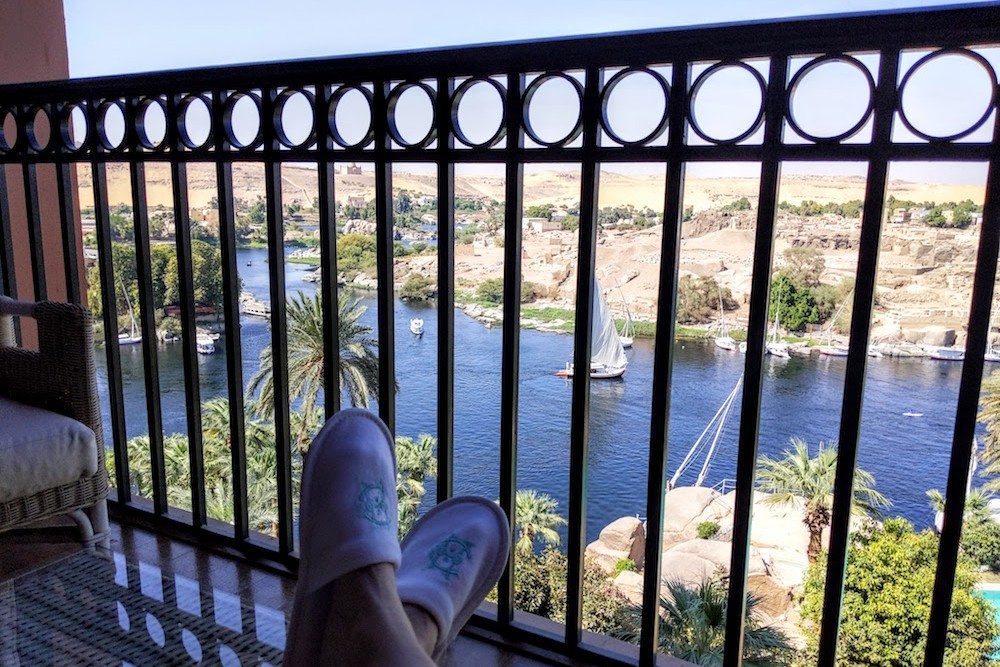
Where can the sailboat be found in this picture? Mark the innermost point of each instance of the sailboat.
(135, 335)
(724, 341)
(627, 333)
(709, 439)
(831, 350)
(775, 346)
(607, 359)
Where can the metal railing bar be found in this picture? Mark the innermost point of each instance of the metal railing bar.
(966, 413)
(102, 220)
(147, 322)
(445, 299)
(656, 476)
(866, 277)
(576, 539)
(279, 358)
(326, 168)
(511, 341)
(8, 277)
(34, 219)
(66, 195)
(189, 334)
(749, 429)
(384, 259)
(821, 152)
(234, 349)
(328, 287)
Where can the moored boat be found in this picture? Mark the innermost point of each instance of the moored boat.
(417, 326)
(204, 344)
(948, 354)
(607, 360)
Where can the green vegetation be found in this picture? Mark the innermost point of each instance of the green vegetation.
(491, 290)
(693, 626)
(810, 478)
(536, 517)
(356, 252)
(946, 214)
(741, 204)
(887, 600)
(623, 565)
(698, 300)
(809, 208)
(707, 530)
(418, 287)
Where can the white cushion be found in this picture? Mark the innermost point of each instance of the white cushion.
(40, 450)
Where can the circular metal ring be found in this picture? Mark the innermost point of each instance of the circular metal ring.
(66, 127)
(279, 108)
(30, 118)
(460, 92)
(140, 123)
(5, 145)
(102, 125)
(814, 64)
(700, 81)
(331, 117)
(946, 52)
(606, 98)
(530, 93)
(228, 107)
(182, 129)
(391, 103)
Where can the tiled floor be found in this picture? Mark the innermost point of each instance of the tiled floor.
(153, 556)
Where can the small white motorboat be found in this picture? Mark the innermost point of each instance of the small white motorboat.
(204, 344)
(417, 326)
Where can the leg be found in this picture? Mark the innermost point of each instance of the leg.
(367, 624)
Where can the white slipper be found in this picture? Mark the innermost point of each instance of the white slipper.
(452, 557)
(348, 518)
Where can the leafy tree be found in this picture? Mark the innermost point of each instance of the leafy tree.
(540, 588)
(491, 290)
(539, 211)
(688, 213)
(989, 416)
(358, 361)
(887, 600)
(809, 479)
(356, 252)
(418, 288)
(570, 223)
(121, 227)
(535, 516)
(796, 306)
(980, 533)
(741, 204)
(693, 626)
(698, 300)
(804, 266)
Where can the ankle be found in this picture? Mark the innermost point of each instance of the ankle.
(424, 627)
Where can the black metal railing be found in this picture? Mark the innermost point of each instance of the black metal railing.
(516, 72)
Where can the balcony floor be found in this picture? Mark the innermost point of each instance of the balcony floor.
(255, 588)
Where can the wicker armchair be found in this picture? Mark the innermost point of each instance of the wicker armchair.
(59, 378)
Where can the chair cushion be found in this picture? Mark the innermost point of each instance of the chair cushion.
(40, 450)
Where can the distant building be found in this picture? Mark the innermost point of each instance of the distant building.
(425, 200)
(351, 169)
(900, 215)
(540, 225)
(357, 201)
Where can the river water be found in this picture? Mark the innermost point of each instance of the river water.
(906, 431)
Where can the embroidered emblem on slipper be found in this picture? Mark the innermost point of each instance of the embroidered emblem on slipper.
(449, 554)
(372, 504)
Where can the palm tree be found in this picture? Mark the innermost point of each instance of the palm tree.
(977, 504)
(358, 360)
(415, 461)
(810, 479)
(693, 626)
(989, 416)
(535, 515)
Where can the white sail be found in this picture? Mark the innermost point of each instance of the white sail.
(607, 347)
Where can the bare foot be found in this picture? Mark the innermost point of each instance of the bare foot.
(367, 624)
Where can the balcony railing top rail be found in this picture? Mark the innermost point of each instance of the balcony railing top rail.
(48, 127)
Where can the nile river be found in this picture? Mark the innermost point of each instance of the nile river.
(907, 453)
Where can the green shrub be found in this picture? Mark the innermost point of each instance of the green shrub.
(707, 530)
(418, 288)
(624, 565)
(491, 290)
(530, 291)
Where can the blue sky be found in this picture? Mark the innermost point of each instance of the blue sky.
(121, 36)
(107, 37)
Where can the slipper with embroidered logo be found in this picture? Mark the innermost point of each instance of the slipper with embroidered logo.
(348, 519)
(452, 557)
